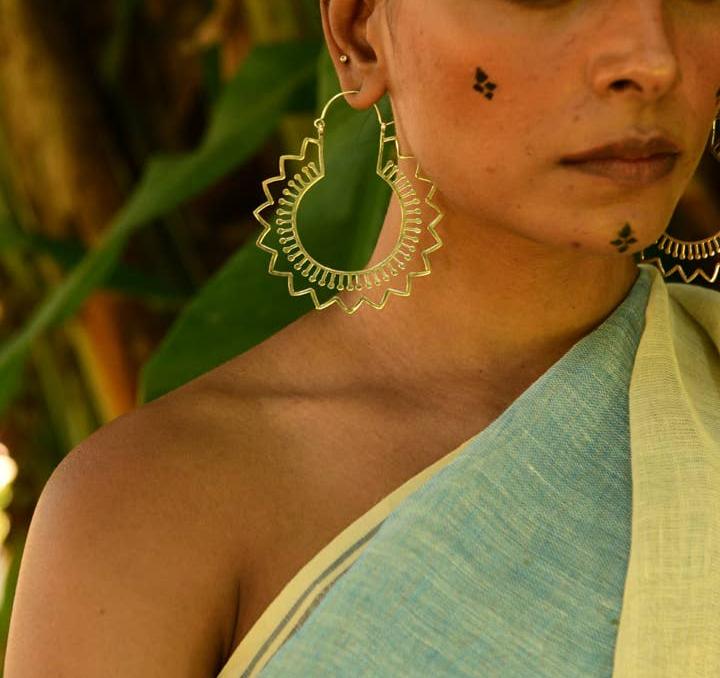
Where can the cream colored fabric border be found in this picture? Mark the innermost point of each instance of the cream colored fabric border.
(670, 621)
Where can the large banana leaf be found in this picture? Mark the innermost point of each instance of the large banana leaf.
(242, 304)
(246, 114)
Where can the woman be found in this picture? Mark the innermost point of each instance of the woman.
(508, 473)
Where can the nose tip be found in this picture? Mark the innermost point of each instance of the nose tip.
(655, 88)
(647, 71)
(648, 83)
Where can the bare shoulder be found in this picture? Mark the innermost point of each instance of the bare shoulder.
(145, 531)
(161, 537)
(139, 540)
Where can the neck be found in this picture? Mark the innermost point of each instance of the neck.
(497, 310)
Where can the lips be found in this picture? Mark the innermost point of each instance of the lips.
(633, 161)
(635, 173)
(630, 148)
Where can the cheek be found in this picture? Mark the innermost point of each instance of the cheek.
(439, 107)
(464, 114)
(464, 142)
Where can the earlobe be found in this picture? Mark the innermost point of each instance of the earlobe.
(369, 92)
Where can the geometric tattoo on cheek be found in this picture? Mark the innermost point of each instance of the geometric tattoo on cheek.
(624, 238)
(483, 85)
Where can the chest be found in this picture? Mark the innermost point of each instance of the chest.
(354, 462)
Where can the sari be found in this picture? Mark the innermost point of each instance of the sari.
(577, 535)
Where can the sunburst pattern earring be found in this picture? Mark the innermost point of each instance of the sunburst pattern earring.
(694, 250)
(282, 239)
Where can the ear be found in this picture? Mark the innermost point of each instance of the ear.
(358, 29)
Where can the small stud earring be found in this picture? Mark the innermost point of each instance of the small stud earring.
(344, 58)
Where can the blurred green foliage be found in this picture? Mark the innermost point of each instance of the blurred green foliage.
(242, 304)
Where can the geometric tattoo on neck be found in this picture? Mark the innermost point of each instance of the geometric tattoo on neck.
(624, 238)
(483, 85)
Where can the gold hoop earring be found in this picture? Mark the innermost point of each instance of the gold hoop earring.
(309, 276)
(694, 250)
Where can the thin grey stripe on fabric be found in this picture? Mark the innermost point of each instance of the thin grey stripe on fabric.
(334, 565)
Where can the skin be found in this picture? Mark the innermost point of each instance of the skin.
(536, 255)
(312, 427)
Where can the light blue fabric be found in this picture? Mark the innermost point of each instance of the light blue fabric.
(511, 560)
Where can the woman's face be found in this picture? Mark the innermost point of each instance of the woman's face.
(490, 95)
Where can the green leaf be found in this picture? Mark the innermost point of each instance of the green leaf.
(340, 220)
(246, 114)
(12, 370)
(117, 44)
(68, 252)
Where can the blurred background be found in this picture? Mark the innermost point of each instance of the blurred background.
(134, 139)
